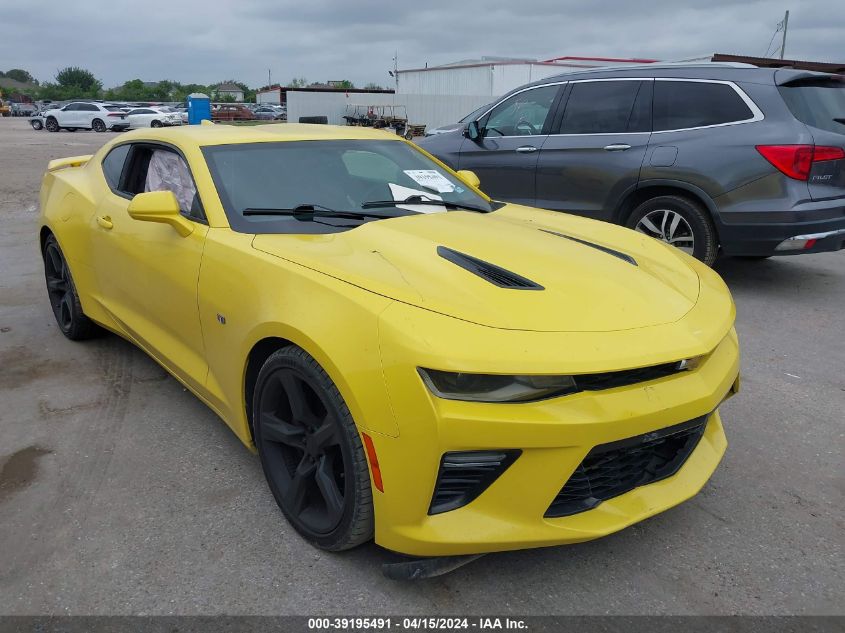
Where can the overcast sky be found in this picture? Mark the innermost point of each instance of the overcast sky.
(210, 40)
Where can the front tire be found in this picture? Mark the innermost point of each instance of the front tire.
(680, 222)
(311, 452)
(155, 124)
(64, 300)
(36, 125)
(52, 124)
(98, 126)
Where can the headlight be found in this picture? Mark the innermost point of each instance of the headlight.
(495, 387)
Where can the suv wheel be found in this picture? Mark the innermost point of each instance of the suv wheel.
(98, 126)
(51, 124)
(680, 222)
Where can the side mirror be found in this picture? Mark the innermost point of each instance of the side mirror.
(473, 131)
(160, 206)
(469, 178)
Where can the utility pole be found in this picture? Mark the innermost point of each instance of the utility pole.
(396, 70)
(269, 81)
(785, 24)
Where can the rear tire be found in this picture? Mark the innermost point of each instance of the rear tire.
(678, 221)
(98, 126)
(64, 300)
(311, 452)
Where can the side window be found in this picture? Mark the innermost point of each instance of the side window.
(113, 165)
(606, 107)
(523, 114)
(71, 107)
(685, 104)
(88, 107)
(153, 168)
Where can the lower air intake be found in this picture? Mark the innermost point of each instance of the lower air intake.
(464, 475)
(610, 470)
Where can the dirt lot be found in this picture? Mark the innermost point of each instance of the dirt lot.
(120, 493)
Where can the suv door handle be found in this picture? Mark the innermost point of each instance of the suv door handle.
(617, 147)
(526, 149)
(104, 221)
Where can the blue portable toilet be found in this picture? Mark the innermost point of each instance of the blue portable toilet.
(199, 108)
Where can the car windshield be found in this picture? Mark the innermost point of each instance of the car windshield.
(472, 116)
(345, 176)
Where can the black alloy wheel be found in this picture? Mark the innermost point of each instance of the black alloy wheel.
(311, 452)
(51, 124)
(98, 126)
(36, 125)
(64, 299)
(155, 124)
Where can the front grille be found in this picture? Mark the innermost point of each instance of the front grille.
(611, 379)
(464, 475)
(610, 470)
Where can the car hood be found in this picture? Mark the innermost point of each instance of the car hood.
(593, 276)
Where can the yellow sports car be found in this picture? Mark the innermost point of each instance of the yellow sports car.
(413, 361)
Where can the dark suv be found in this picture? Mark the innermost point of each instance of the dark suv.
(730, 156)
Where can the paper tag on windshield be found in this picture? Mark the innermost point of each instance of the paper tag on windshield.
(431, 179)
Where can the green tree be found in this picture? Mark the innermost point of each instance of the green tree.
(72, 83)
(19, 74)
(298, 82)
(373, 86)
(345, 84)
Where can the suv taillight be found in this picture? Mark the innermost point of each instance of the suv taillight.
(796, 161)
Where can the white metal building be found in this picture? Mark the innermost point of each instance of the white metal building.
(493, 77)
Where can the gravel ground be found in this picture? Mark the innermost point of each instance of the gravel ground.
(120, 493)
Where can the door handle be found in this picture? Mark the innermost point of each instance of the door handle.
(104, 221)
(617, 147)
(526, 149)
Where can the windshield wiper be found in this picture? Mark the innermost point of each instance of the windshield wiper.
(308, 211)
(418, 199)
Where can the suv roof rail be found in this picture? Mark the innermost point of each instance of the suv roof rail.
(599, 69)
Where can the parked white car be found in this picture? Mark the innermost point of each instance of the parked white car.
(152, 117)
(85, 116)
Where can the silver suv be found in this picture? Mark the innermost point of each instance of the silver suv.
(706, 157)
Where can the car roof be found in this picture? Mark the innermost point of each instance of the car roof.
(723, 71)
(221, 134)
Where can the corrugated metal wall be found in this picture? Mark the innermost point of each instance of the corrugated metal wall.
(492, 80)
(448, 81)
(430, 110)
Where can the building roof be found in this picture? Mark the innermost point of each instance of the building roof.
(771, 62)
(320, 89)
(13, 84)
(569, 60)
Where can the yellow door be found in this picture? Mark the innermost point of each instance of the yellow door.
(147, 274)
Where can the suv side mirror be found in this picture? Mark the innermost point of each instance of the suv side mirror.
(472, 131)
(160, 206)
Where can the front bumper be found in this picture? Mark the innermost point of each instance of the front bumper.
(554, 436)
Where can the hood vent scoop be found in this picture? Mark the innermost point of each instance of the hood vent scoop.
(496, 275)
(598, 247)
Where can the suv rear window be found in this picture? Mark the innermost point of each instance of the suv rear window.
(680, 105)
(817, 102)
